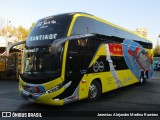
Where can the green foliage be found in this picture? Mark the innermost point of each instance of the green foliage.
(33, 24)
(157, 50)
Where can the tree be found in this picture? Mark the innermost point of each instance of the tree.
(22, 33)
(157, 51)
(33, 24)
(8, 31)
(157, 48)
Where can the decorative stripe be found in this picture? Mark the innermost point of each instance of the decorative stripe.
(112, 69)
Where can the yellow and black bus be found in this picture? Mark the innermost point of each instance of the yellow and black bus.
(76, 56)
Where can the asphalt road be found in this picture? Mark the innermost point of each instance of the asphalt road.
(131, 98)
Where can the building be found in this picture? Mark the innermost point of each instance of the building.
(142, 31)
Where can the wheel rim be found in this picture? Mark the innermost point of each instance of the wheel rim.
(93, 91)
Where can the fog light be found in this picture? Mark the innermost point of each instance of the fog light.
(54, 88)
(56, 99)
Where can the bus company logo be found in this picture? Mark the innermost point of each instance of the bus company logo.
(6, 114)
(98, 66)
(45, 22)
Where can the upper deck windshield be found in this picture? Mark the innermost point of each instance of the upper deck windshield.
(48, 29)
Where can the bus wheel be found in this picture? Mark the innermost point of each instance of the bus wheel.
(94, 91)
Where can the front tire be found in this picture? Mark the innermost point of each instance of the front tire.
(94, 91)
(143, 79)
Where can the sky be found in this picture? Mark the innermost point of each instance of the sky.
(130, 14)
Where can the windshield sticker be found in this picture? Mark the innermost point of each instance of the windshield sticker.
(43, 37)
(45, 23)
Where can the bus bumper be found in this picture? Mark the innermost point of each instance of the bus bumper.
(45, 98)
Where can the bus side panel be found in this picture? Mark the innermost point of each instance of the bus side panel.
(138, 59)
(83, 89)
(106, 79)
(129, 78)
(108, 82)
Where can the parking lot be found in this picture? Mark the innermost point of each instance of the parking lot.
(132, 98)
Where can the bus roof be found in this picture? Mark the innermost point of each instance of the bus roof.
(76, 14)
(82, 14)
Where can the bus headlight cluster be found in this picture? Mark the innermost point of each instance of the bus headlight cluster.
(54, 88)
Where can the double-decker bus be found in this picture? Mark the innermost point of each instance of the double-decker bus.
(76, 56)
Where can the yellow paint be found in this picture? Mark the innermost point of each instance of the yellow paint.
(108, 82)
(23, 59)
(101, 52)
(71, 25)
(21, 84)
(52, 83)
(47, 98)
(47, 85)
(64, 61)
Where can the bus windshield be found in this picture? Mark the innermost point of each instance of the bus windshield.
(40, 63)
(48, 29)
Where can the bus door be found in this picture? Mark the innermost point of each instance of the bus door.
(75, 65)
(79, 55)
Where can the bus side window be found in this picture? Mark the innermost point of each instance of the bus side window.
(85, 46)
(72, 49)
(80, 53)
(72, 58)
(78, 46)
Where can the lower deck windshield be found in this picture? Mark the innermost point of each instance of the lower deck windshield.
(41, 63)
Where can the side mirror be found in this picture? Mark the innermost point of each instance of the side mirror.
(12, 45)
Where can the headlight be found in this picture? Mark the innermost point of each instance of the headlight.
(54, 88)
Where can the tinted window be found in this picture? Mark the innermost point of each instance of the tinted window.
(85, 25)
(41, 65)
(119, 63)
(102, 28)
(81, 52)
(83, 46)
(121, 34)
(146, 45)
(48, 29)
(128, 35)
(135, 37)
